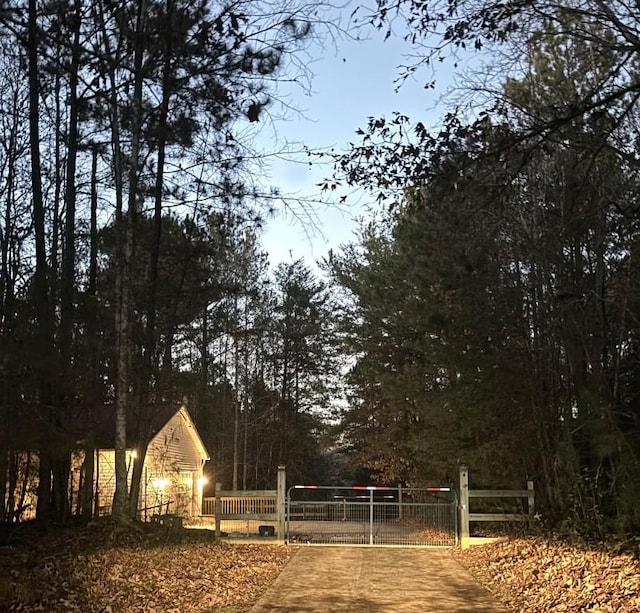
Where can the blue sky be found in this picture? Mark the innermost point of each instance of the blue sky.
(353, 79)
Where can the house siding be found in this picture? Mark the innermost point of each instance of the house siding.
(173, 469)
(172, 475)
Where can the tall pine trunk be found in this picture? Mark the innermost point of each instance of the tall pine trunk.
(91, 382)
(40, 282)
(150, 362)
(120, 502)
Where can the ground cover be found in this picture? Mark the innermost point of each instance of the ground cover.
(551, 574)
(103, 568)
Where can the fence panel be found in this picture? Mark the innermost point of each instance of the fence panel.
(247, 513)
(466, 516)
(371, 515)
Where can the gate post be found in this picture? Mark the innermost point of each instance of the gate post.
(217, 509)
(464, 507)
(281, 502)
(371, 518)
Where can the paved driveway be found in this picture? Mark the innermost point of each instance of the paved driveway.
(375, 580)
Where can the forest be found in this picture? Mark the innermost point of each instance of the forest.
(486, 315)
(132, 273)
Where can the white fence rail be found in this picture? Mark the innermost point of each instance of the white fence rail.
(249, 507)
(466, 516)
(263, 502)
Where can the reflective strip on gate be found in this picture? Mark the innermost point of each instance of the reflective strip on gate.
(370, 487)
(372, 515)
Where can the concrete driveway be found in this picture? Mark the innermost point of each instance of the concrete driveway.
(375, 580)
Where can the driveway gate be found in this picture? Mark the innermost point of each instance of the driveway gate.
(372, 515)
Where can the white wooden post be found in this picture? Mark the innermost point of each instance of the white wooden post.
(531, 500)
(217, 508)
(281, 502)
(371, 517)
(464, 507)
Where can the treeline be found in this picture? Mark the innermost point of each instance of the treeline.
(131, 274)
(496, 309)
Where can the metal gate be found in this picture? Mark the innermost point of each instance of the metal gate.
(372, 515)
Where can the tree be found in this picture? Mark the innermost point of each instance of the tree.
(132, 108)
(273, 367)
(443, 30)
(303, 361)
(504, 274)
(220, 56)
(14, 226)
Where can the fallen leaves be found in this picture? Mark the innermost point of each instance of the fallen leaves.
(540, 575)
(149, 571)
(104, 569)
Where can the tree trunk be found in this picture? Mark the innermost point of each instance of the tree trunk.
(91, 380)
(150, 366)
(120, 505)
(61, 460)
(40, 293)
(136, 478)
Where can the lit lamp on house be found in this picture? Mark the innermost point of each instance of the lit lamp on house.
(198, 484)
(160, 485)
(131, 456)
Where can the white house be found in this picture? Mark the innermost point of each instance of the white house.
(172, 475)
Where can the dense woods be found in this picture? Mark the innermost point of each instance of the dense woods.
(489, 316)
(496, 302)
(132, 274)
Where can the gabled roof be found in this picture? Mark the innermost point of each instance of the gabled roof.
(97, 425)
(143, 426)
(184, 414)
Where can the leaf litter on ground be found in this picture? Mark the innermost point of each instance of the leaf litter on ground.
(549, 574)
(103, 568)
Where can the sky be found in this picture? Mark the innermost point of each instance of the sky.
(352, 80)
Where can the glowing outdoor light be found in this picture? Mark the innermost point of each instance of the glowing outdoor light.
(160, 484)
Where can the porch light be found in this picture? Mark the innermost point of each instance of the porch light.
(160, 484)
(202, 481)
